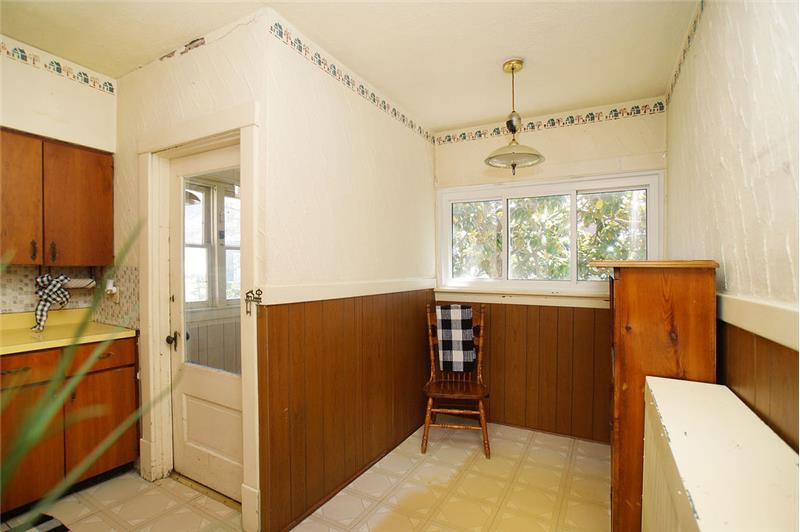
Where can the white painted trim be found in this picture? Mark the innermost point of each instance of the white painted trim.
(543, 300)
(207, 131)
(154, 365)
(772, 320)
(200, 128)
(278, 294)
(248, 176)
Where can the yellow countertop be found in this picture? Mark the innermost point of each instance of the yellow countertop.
(16, 335)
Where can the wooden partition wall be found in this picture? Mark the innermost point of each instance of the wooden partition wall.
(340, 384)
(763, 374)
(549, 368)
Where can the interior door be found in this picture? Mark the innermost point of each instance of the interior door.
(205, 319)
(20, 198)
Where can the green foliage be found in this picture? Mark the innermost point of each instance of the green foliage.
(539, 238)
(611, 225)
(477, 239)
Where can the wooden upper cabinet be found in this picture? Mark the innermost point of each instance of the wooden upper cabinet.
(21, 198)
(78, 206)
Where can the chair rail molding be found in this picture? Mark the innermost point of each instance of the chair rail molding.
(773, 320)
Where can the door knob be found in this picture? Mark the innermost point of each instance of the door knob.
(172, 339)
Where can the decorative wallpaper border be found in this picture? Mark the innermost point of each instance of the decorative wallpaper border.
(28, 55)
(565, 120)
(686, 46)
(347, 79)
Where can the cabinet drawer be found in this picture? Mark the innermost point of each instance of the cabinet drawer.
(28, 368)
(118, 353)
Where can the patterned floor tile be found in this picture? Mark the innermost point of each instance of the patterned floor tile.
(476, 486)
(465, 514)
(98, 522)
(415, 499)
(539, 503)
(386, 518)
(117, 490)
(512, 521)
(143, 507)
(374, 482)
(345, 508)
(579, 515)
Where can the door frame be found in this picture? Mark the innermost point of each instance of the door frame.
(235, 125)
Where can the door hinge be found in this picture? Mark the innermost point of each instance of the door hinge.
(252, 297)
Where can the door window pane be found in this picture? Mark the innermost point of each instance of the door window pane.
(539, 238)
(194, 216)
(611, 225)
(195, 270)
(477, 239)
(233, 281)
(232, 221)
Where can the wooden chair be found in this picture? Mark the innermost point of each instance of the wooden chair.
(456, 386)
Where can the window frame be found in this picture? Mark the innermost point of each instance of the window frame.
(214, 218)
(207, 244)
(652, 181)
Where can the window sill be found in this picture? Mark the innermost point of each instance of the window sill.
(532, 297)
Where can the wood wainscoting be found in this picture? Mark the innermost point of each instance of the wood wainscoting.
(763, 374)
(340, 385)
(549, 368)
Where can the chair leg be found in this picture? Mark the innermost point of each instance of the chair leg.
(427, 425)
(485, 432)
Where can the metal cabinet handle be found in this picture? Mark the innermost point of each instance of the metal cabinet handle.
(15, 371)
(33, 249)
(53, 251)
(105, 355)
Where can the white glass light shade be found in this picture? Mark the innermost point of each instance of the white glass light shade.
(514, 155)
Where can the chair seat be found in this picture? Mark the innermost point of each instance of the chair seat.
(456, 390)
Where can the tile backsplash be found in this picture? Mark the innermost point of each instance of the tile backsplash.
(18, 293)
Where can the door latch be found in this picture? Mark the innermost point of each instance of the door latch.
(252, 297)
(172, 340)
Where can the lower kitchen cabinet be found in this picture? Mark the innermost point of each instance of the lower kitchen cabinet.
(101, 401)
(43, 466)
(108, 398)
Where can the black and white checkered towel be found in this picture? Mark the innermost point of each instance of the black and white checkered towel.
(50, 291)
(454, 332)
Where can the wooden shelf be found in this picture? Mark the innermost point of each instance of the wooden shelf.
(654, 264)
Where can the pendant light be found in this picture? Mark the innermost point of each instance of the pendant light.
(515, 155)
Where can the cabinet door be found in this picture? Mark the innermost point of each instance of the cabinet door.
(21, 197)
(43, 466)
(78, 206)
(112, 395)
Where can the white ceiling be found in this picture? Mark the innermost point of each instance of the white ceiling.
(115, 37)
(439, 61)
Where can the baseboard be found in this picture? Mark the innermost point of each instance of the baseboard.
(250, 508)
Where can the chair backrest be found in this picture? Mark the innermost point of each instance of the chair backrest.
(476, 375)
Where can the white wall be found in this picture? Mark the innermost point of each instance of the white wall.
(732, 188)
(38, 99)
(632, 142)
(349, 189)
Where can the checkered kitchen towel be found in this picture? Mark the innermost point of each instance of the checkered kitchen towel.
(50, 291)
(454, 332)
